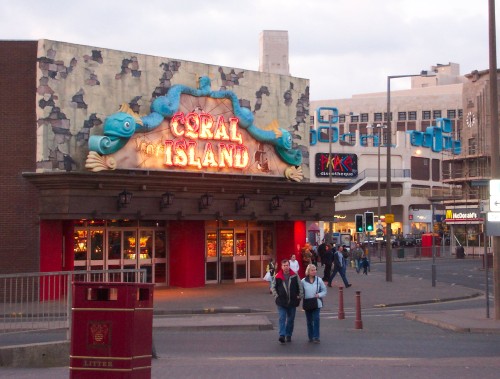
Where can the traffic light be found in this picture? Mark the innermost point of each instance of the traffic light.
(369, 221)
(359, 224)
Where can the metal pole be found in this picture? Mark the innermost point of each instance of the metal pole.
(433, 248)
(388, 251)
(330, 225)
(495, 161)
(486, 269)
(378, 187)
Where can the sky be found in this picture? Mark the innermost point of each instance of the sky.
(344, 47)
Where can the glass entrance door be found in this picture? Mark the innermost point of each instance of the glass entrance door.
(237, 254)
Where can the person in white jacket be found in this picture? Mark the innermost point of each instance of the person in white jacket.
(314, 288)
(294, 264)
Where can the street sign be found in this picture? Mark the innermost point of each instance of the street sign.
(389, 218)
(494, 195)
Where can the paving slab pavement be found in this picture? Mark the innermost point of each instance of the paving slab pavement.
(374, 291)
(246, 306)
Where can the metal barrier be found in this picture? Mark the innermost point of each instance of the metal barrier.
(42, 301)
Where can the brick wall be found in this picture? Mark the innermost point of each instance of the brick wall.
(19, 229)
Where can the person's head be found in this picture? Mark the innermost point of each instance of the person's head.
(358, 245)
(285, 266)
(292, 258)
(328, 246)
(311, 270)
(341, 248)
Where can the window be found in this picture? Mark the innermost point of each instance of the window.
(364, 117)
(472, 146)
(377, 117)
(460, 113)
(354, 118)
(342, 118)
(401, 116)
(412, 115)
(451, 113)
(385, 116)
(420, 168)
(436, 114)
(426, 115)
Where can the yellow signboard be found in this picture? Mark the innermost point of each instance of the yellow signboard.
(389, 218)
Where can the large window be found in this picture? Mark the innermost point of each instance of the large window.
(121, 244)
(451, 113)
(401, 116)
(377, 117)
(426, 115)
(412, 115)
(436, 114)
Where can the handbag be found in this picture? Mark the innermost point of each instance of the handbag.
(311, 304)
(268, 277)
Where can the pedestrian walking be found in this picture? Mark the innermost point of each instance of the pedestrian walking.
(294, 264)
(314, 292)
(271, 270)
(339, 266)
(365, 262)
(327, 259)
(357, 253)
(288, 291)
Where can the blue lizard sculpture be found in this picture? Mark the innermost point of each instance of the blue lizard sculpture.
(120, 126)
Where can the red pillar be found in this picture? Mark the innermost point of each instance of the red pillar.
(187, 254)
(289, 236)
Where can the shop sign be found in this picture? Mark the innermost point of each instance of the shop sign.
(191, 130)
(341, 165)
(421, 215)
(462, 214)
(437, 137)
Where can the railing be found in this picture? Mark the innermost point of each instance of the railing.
(373, 173)
(42, 301)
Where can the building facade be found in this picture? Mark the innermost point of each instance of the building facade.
(426, 124)
(195, 172)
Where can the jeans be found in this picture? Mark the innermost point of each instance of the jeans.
(341, 271)
(312, 318)
(286, 320)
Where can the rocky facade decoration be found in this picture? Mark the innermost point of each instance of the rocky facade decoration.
(79, 86)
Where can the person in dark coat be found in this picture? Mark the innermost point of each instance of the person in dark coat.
(321, 253)
(287, 291)
(327, 260)
(339, 265)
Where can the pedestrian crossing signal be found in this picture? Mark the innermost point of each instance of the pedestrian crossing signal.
(359, 223)
(369, 221)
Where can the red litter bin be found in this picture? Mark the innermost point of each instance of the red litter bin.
(112, 331)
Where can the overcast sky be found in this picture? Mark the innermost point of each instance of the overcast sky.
(344, 47)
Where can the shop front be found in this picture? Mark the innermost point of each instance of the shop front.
(135, 161)
(466, 227)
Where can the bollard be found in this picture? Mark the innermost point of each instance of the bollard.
(341, 303)
(358, 324)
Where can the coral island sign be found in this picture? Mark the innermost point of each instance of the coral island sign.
(180, 133)
(202, 126)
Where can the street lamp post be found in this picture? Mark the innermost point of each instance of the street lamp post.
(388, 251)
(330, 226)
(379, 127)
